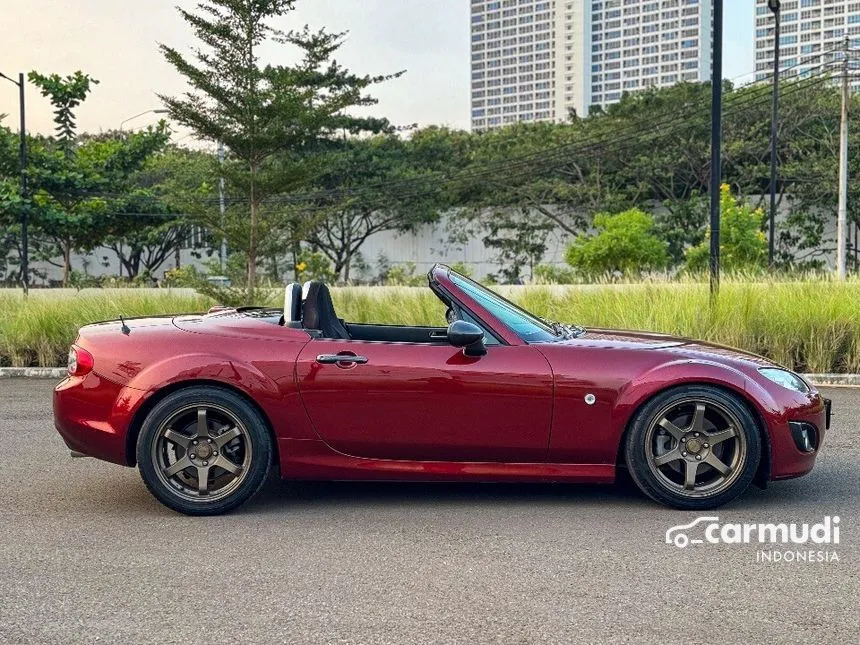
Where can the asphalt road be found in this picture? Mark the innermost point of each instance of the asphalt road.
(86, 556)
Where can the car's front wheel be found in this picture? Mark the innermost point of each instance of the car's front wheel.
(203, 450)
(693, 447)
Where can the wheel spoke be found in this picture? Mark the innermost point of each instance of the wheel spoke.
(203, 480)
(226, 464)
(690, 475)
(174, 437)
(202, 425)
(225, 437)
(715, 462)
(698, 424)
(668, 457)
(671, 428)
(721, 435)
(177, 467)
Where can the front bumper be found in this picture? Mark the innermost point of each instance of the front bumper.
(788, 459)
(92, 414)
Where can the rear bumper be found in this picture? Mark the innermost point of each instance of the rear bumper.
(92, 414)
(789, 460)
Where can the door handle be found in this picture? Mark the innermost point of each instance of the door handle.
(334, 359)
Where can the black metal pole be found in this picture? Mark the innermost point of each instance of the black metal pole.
(774, 6)
(856, 265)
(25, 256)
(716, 140)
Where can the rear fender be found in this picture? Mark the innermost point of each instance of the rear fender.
(206, 367)
(275, 394)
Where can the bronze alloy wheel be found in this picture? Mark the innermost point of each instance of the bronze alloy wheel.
(695, 447)
(202, 452)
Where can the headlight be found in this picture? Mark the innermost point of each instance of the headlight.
(785, 378)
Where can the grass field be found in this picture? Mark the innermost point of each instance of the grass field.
(812, 326)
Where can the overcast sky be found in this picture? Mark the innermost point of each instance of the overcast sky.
(115, 41)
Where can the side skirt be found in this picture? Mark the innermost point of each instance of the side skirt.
(314, 460)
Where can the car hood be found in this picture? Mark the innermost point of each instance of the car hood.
(684, 347)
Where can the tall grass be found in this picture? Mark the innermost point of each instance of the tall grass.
(38, 331)
(810, 325)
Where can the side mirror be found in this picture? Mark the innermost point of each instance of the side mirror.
(468, 336)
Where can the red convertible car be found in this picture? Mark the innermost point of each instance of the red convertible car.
(204, 405)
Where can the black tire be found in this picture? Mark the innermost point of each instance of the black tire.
(179, 416)
(653, 436)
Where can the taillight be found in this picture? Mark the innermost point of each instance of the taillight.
(80, 361)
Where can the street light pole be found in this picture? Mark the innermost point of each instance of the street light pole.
(22, 159)
(154, 111)
(774, 6)
(222, 206)
(842, 210)
(716, 147)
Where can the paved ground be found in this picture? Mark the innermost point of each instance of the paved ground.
(86, 555)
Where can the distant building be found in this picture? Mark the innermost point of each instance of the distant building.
(635, 45)
(536, 60)
(812, 34)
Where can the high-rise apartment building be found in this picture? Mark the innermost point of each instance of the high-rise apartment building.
(812, 34)
(636, 44)
(536, 60)
(515, 50)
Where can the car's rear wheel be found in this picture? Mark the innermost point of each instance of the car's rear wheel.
(693, 447)
(203, 451)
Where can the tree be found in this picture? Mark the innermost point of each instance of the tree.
(155, 215)
(370, 181)
(65, 95)
(743, 245)
(519, 239)
(259, 110)
(76, 180)
(623, 243)
(651, 151)
(681, 223)
(11, 203)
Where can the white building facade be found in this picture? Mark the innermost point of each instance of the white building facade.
(538, 60)
(812, 34)
(635, 45)
(516, 46)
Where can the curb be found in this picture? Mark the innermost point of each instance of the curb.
(33, 372)
(57, 373)
(834, 380)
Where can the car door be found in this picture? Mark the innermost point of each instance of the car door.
(428, 402)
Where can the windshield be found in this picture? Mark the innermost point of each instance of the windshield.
(528, 327)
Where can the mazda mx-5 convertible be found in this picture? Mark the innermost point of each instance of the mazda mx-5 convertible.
(205, 405)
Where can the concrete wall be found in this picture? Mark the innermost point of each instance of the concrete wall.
(426, 246)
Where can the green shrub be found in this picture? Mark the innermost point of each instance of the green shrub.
(624, 243)
(313, 265)
(464, 268)
(551, 274)
(743, 245)
(403, 275)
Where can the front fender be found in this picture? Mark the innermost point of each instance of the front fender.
(681, 372)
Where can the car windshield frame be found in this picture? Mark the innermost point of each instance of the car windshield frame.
(528, 327)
